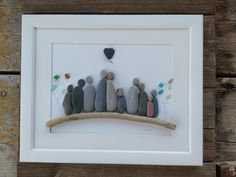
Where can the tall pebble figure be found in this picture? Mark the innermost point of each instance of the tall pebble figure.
(155, 103)
(89, 95)
(78, 97)
(100, 98)
(132, 98)
(150, 107)
(121, 102)
(111, 98)
(67, 102)
(142, 101)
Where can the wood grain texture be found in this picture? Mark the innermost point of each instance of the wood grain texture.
(209, 62)
(110, 115)
(225, 48)
(9, 118)
(226, 169)
(10, 29)
(225, 119)
(209, 108)
(119, 6)
(225, 10)
(88, 170)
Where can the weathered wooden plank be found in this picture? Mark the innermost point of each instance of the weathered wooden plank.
(76, 170)
(226, 169)
(209, 148)
(209, 108)
(225, 48)
(226, 112)
(225, 119)
(209, 62)
(226, 58)
(226, 10)
(10, 27)
(226, 31)
(119, 6)
(9, 118)
(225, 151)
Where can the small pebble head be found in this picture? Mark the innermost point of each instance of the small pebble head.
(110, 76)
(70, 88)
(89, 80)
(154, 93)
(81, 82)
(120, 92)
(141, 86)
(136, 82)
(150, 98)
(103, 74)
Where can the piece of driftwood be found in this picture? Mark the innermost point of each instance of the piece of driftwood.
(110, 115)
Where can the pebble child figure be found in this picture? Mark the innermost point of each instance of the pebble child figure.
(142, 101)
(100, 98)
(155, 103)
(150, 107)
(67, 102)
(121, 102)
(89, 95)
(111, 98)
(132, 98)
(78, 97)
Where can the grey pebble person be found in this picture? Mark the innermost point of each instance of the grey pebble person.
(78, 97)
(155, 103)
(132, 97)
(142, 101)
(121, 102)
(111, 98)
(67, 101)
(100, 98)
(89, 95)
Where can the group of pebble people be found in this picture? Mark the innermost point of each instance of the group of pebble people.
(105, 98)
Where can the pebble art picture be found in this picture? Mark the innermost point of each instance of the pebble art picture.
(74, 92)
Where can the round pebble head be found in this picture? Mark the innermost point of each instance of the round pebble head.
(150, 98)
(136, 82)
(154, 93)
(81, 82)
(110, 76)
(89, 80)
(120, 92)
(70, 88)
(103, 73)
(141, 86)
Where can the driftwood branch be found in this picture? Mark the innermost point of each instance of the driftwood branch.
(110, 115)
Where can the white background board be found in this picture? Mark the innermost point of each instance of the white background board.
(162, 47)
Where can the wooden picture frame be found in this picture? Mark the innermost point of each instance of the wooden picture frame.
(46, 38)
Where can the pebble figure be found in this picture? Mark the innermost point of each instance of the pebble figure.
(150, 107)
(121, 102)
(100, 98)
(142, 101)
(89, 95)
(155, 103)
(67, 102)
(78, 97)
(132, 98)
(111, 98)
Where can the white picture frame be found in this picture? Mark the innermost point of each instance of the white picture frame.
(184, 146)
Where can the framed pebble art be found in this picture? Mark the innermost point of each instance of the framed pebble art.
(112, 89)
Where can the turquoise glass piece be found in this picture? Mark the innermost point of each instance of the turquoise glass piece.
(160, 92)
(161, 84)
